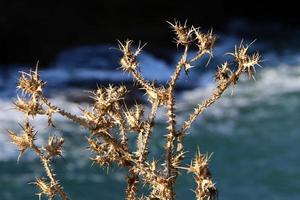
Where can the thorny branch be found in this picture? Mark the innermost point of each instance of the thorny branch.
(109, 114)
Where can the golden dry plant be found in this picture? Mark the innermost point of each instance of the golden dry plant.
(110, 121)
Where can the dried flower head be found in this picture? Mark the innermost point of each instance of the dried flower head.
(25, 140)
(205, 42)
(177, 158)
(223, 72)
(249, 66)
(105, 97)
(134, 117)
(205, 189)
(30, 107)
(246, 62)
(157, 95)
(54, 146)
(129, 60)
(105, 153)
(183, 33)
(30, 83)
(45, 188)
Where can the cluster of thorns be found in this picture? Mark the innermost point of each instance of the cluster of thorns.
(110, 122)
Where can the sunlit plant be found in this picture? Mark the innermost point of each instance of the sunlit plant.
(110, 121)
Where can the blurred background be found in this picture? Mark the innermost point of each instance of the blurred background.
(252, 131)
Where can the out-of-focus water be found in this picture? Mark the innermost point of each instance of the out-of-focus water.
(253, 132)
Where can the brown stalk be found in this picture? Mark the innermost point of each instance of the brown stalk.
(172, 117)
(50, 173)
(207, 103)
(109, 115)
(147, 134)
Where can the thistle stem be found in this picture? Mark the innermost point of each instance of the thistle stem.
(50, 173)
(208, 102)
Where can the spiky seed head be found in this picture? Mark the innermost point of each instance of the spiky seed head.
(105, 153)
(249, 66)
(22, 142)
(105, 97)
(102, 161)
(25, 140)
(116, 93)
(129, 60)
(183, 33)
(199, 163)
(30, 83)
(54, 146)
(158, 95)
(131, 120)
(134, 117)
(45, 188)
(205, 42)
(246, 62)
(223, 72)
(205, 189)
(30, 107)
(177, 158)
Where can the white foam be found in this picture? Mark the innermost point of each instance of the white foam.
(83, 63)
(276, 80)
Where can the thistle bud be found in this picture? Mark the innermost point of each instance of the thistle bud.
(223, 73)
(129, 60)
(205, 42)
(29, 107)
(45, 188)
(246, 62)
(205, 189)
(25, 140)
(30, 83)
(134, 117)
(54, 146)
(182, 32)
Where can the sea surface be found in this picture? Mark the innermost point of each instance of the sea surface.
(253, 131)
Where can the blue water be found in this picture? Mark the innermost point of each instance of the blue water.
(253, 132)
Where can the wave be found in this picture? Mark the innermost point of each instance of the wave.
(272, 87)
(82, 67)
(87, 65)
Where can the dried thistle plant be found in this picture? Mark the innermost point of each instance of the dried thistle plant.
(110, 121)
